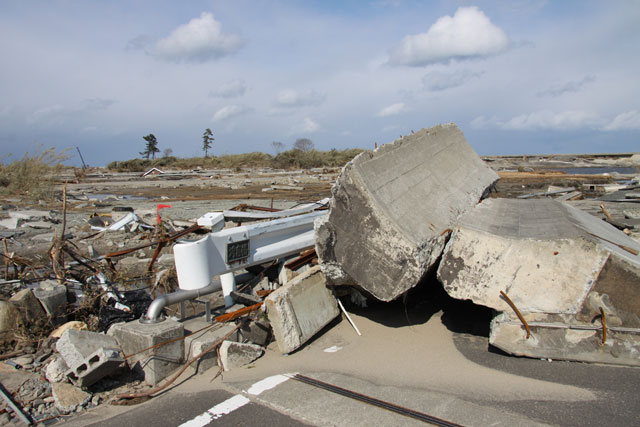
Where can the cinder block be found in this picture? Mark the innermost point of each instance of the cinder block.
(159, 362)
(76, 345)
(101, 363)
(299, 309)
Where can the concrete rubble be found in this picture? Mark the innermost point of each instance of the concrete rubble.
(560, 267)
(235, 354)
(392, 208)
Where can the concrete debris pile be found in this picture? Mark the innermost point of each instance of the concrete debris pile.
(392, 210)
(104, 349)
(571, 280)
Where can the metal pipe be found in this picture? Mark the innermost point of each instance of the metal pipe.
(154, 310)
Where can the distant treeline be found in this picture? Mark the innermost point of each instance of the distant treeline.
(292, 159)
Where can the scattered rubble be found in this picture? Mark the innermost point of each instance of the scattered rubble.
(563, 281)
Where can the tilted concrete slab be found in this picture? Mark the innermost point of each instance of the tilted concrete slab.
(391, 209)
(559, 266)
(300, 309)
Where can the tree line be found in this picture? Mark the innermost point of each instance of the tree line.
(151, 145)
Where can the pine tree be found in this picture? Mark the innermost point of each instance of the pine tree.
(207, 138)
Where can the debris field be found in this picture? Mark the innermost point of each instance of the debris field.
(108, 298)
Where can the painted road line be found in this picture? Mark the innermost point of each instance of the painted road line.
(235, 402)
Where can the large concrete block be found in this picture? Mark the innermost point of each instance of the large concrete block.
(560, 266)
(159, 362)
(300, 309)
(75, 345)
(391, 209)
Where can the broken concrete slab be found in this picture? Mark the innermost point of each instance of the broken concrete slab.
(257, 332)
(53, 298)
(155, 364)
(557, 264)
(55, 371)
(102, 362)
(300, 309)
(68, 397)
(392, 208)
(235, 354)
(30, 215)
(76, 345)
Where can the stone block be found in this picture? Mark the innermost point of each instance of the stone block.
(9, 317)
(28, 305)
(197, 343)
(76, 345)
(560, 266)
(155, 364)
(300, 309)
(53, 298)
(98, 365)
(235, 354)
(257, 332)
(391, 210)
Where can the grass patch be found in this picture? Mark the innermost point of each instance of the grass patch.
(31, 176)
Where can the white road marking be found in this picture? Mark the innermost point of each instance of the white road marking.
(266, 384)
(332, 349)
(234, 402)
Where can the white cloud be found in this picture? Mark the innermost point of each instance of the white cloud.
(543, 120)
(200, 40)
(290, 98)
(392, 110)
(468, 34)
(441, 80)
(625, 121)
(229, 111)
(307, 126)
(232, 89)
(53, 114)
(567, 87)
(96, 104)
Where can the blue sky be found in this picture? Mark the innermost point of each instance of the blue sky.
(518, 77)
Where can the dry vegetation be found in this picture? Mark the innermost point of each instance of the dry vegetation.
(292, 159)
(31, 176)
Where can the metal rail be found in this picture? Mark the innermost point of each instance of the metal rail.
(375, 402)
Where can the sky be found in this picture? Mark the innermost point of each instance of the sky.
(517, 77)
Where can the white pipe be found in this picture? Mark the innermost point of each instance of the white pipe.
(228, 285)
